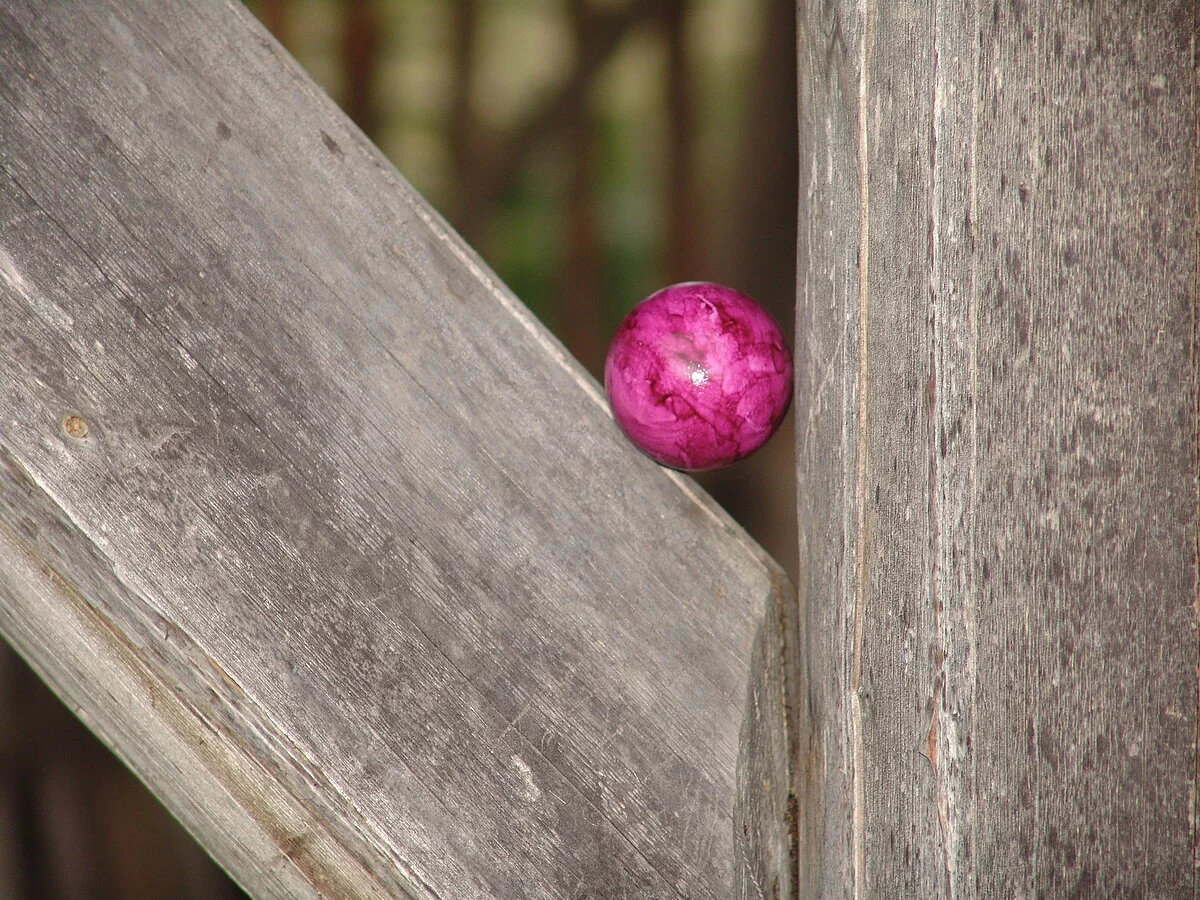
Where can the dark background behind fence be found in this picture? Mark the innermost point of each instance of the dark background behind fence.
(592, 152)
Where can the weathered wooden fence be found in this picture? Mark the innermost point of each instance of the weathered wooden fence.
(305, 515)
(340, 551)
(997, 448)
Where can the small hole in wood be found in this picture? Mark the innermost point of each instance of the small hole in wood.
(76, 427)
(331, 145)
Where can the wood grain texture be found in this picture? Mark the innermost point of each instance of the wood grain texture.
(331, 541)
(997, 459)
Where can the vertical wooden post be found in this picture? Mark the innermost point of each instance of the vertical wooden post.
(996, 436)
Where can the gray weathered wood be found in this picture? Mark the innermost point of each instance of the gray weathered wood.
(997, 448)
(309, 519)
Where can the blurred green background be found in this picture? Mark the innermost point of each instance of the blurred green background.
(592, 151)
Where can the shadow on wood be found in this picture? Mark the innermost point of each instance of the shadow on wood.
(330, 540)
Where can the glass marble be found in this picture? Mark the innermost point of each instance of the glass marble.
(698, 376)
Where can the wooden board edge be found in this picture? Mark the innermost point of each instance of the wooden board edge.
(254, 826)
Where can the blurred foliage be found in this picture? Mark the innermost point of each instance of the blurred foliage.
(525, 50)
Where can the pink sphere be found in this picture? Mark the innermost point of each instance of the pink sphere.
(698, 376)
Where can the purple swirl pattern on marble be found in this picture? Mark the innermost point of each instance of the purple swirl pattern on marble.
(698, 376)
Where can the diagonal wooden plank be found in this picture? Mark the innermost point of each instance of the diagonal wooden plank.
(309, 518)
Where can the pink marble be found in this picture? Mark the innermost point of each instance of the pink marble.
(698, 376)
